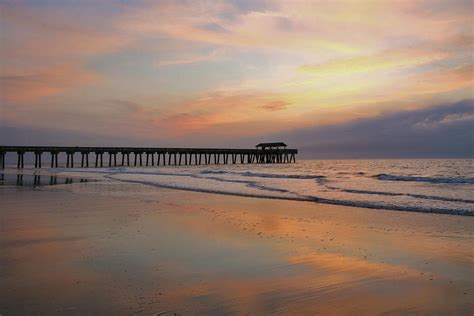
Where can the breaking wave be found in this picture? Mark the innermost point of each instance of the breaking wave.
(266, 175)
(444, 186)
(370, 205)
(448, 180)
(419, 196)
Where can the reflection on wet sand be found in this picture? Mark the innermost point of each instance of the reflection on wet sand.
(37, 179)
(191, 253)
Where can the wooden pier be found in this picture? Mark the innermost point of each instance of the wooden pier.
(149, 156)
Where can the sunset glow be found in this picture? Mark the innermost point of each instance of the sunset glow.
(204, 72)
(236, 157)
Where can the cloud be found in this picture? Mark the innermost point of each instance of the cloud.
(22, 87)
(443, 80)
(342, 27)
(225, 108)
(48, 34)
(213, 56)
(45, 51)
(331, 60)
(44, 136)
(440, 131)
(275, 105)
(213, 27)
(394, 59)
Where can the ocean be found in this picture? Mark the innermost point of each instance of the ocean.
(419, 185)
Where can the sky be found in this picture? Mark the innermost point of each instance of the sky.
(345, 78)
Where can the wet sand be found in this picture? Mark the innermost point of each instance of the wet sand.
(114, 248)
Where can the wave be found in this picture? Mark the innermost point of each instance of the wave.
(251, 184)
(352, 173)
(321, 180)
(215, 172)
(210, 172)
(368, 192)
(266, 175)
(440, 198)
(449, 180)
(265, 189)
(418, 196)
(371, 205)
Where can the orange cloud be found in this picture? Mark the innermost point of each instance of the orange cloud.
(45, 52)
(275, 105)
(444, 80)
(22, 87)
(224, 109)
(38, 34)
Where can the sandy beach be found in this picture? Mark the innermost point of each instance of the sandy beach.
(119, 248)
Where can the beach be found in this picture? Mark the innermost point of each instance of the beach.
(236, 157)
(111, 247)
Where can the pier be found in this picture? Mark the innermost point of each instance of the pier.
(264, 153)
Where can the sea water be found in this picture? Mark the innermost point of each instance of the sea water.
(420, 185)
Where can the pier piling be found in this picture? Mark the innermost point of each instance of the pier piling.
(2, 160)
(38, 159)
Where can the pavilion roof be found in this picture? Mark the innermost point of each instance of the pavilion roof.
(278, 144)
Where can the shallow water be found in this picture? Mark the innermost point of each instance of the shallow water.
(20, 179)
(424, 185)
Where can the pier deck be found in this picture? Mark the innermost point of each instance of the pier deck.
(120, 156)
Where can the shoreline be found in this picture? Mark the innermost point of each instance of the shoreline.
(107, 174)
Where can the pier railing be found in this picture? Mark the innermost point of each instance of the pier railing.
(153, 156)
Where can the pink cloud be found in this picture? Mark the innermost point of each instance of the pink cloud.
(28, 86)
